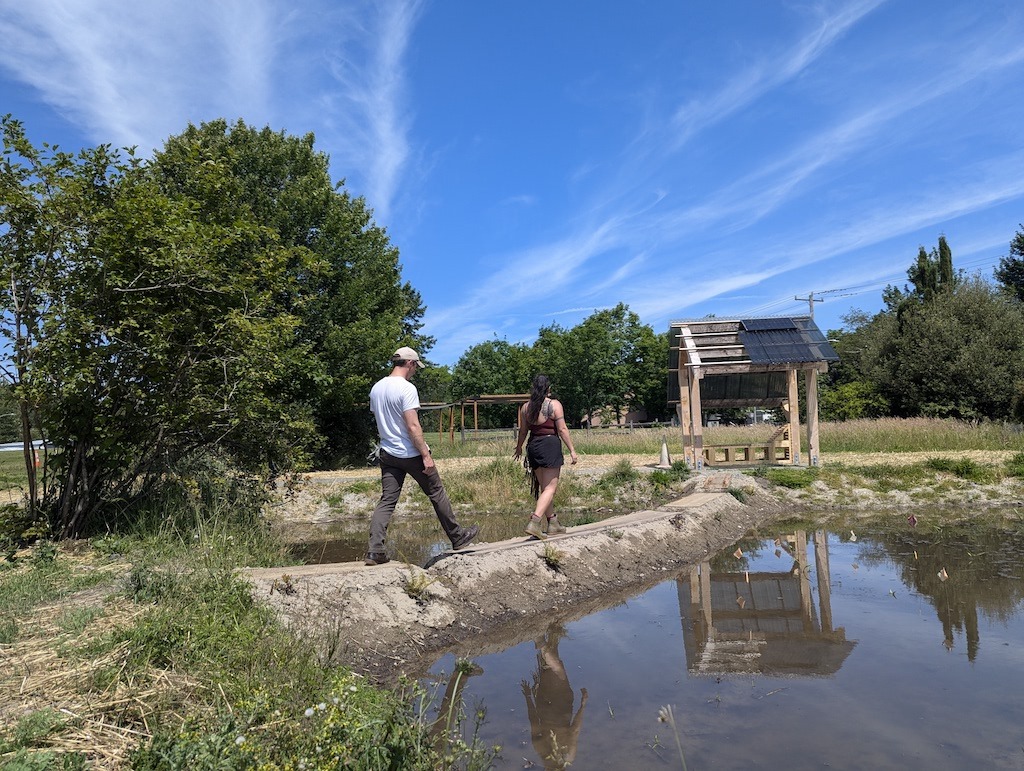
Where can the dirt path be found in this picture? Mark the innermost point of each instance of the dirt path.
(384, 620)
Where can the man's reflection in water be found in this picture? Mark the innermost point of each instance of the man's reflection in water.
(549, 701)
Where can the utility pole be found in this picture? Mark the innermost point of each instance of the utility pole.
(811, 299)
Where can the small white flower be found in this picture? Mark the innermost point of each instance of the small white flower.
(321, 706)
(239, 740)
(353, 688)
(335, 700)
(309, 712)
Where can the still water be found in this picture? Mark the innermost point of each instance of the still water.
(805, 649)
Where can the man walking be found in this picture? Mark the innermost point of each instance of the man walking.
(394, 402)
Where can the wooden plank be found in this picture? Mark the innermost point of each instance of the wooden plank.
(692, 356)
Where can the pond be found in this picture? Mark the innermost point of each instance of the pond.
(878, 648)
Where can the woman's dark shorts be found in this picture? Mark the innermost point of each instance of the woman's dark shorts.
(545, 452)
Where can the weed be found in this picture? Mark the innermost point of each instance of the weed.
(793, 478)
(8, 629)
(283, 585)
(75, 620)
(416, 585)
(738, 493)
(615, 535)
(965, 468)
(32, 730)
(1015, 465)
(621, 475)
(553, 558)
(665, 715)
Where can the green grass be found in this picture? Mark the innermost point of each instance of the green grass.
(793, 478)
(1015, 465)
(12, 470)
(214, 664)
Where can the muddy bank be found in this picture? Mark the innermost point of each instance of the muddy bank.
(384, 620)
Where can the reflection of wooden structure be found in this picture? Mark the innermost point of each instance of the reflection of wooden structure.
(722, 363)
(763, 622)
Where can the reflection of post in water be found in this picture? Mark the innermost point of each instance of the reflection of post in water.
(554, 729)
(738, 621)
(450, 712)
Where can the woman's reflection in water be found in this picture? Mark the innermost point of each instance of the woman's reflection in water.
(549, 701)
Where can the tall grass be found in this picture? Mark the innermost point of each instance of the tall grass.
(875, 435)
(919, 435)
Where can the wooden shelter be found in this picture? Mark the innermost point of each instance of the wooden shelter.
(448, 409)
(722, 363)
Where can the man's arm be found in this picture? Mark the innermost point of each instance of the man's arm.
(412, 424)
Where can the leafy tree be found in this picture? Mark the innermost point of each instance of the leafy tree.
(41, 226)
(1010, 273)
(958, 356)
(931, 274)
(162, 341)
(344, 284)
(848, 390)
(225, 302)
(609, 360)
(494, 367)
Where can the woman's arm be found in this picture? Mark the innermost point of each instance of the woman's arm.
(558, 415)
(523, 430)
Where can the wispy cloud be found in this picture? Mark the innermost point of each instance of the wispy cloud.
(751, 84)
(134, 73)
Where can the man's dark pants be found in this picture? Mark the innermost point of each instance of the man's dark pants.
(392, 476)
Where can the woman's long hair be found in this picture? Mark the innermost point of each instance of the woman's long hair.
(538, 393)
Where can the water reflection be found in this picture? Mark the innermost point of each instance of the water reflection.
(554, 729)
(816, 636)
(763, 621)
(965, 571)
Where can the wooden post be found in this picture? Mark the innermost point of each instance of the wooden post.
(698, 427)
(794, 418)
(800, 547)
(451, 424)
(811, 381)
(476, 416)
(824, 580)
(684, 414)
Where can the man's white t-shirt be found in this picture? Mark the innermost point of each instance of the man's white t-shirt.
(390, 397)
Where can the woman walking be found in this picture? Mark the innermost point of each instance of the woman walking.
(543, 419)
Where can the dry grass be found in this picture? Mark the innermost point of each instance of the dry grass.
(104, 714)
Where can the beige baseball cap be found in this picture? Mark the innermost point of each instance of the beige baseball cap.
(407, 354)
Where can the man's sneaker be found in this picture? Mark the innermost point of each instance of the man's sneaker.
(535, 530)
(466, 538)
(555, 527)
(376, 559)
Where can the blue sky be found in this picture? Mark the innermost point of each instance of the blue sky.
(534, 162)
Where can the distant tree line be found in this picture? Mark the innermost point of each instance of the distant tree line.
(945, 345)
(607, 365)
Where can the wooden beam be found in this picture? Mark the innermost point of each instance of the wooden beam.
(693, 358)
(811, 383)
(684, 410)
(794, 419)
(695, 417)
